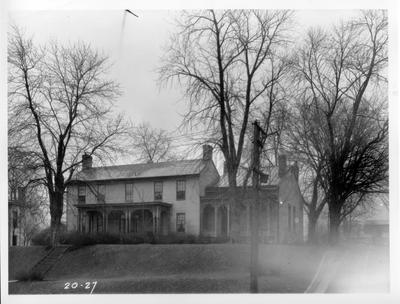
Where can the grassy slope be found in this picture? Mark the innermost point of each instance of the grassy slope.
(181, 268)
(23, 258)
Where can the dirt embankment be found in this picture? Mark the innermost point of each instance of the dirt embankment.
(184, 268)
(23, 258)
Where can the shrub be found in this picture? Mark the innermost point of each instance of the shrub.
(178, 238)
(133, 239)
(30, 275)
(78, 239)
(42, 238)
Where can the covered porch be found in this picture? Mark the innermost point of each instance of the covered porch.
(215, 219)
(136, 218)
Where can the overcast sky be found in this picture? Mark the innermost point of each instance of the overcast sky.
(135, 47)
(135, 51)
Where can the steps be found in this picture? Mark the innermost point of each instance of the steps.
(326, 271)
(49, 260)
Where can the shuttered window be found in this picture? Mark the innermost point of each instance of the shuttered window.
(180, 190)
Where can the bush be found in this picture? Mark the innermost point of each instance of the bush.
(178, 238)
(78, 239)
(29, 275)
(43, 237)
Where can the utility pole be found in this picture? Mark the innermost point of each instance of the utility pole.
(254, 208)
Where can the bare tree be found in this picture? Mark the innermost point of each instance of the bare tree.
(314, 199)
(299, 137)
(60, 101)
(151, 144)
(340, 76)
(28, 195)
(228, 62)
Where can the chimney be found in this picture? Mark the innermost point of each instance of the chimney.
(295, 170)
(225, 172)
(86, 161)
(207, 152)
(21, 194)
(282, 165)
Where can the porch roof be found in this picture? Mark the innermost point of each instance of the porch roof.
(122, 205)
(269, 192)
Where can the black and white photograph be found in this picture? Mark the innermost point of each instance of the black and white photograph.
(200, 150)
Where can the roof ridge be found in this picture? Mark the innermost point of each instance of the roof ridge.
(136, 164)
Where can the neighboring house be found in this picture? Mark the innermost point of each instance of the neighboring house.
(184, 196)
(371, 224)
(281, 206)
(15, 212)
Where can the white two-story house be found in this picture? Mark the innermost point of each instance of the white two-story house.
(154, 197)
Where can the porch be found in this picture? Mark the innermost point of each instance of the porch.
(137, 218)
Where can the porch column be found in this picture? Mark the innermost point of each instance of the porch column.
(103, 213)
(201, 219)
(158, 220)
(129, 220)
(248, 220)
(153, 212)
(215, 220)
(106, 221)
(228, 218)
(78, 224)
(126, 221)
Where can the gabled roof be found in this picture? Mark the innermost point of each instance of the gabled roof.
(273, 177)
(139, 171)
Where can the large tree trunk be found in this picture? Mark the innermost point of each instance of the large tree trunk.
(233, 203)
(56, 211)
(334, 222)
(312, 224)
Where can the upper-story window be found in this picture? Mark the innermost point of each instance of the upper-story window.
(129, 192)
(15, 219)
(101, 193)
(158, 191)
(13, 195)
(81, 194)
(180, 190)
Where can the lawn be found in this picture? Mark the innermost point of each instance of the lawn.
(185, 268)
(22, 258)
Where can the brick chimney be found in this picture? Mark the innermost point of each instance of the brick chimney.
(87, 161)
(295, 170)
(282, 164)
(207, 152)
(225, 172)
(21, 194)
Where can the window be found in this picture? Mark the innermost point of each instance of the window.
(180, 190)
(15, 219)
(294, 218)
(129, 192)
(180, 222)
(101, 193)
(13, 195)
(158, 191)
(82, 194)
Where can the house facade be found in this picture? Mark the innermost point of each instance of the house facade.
(16, 236)
(160, 198)
(187, 196)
